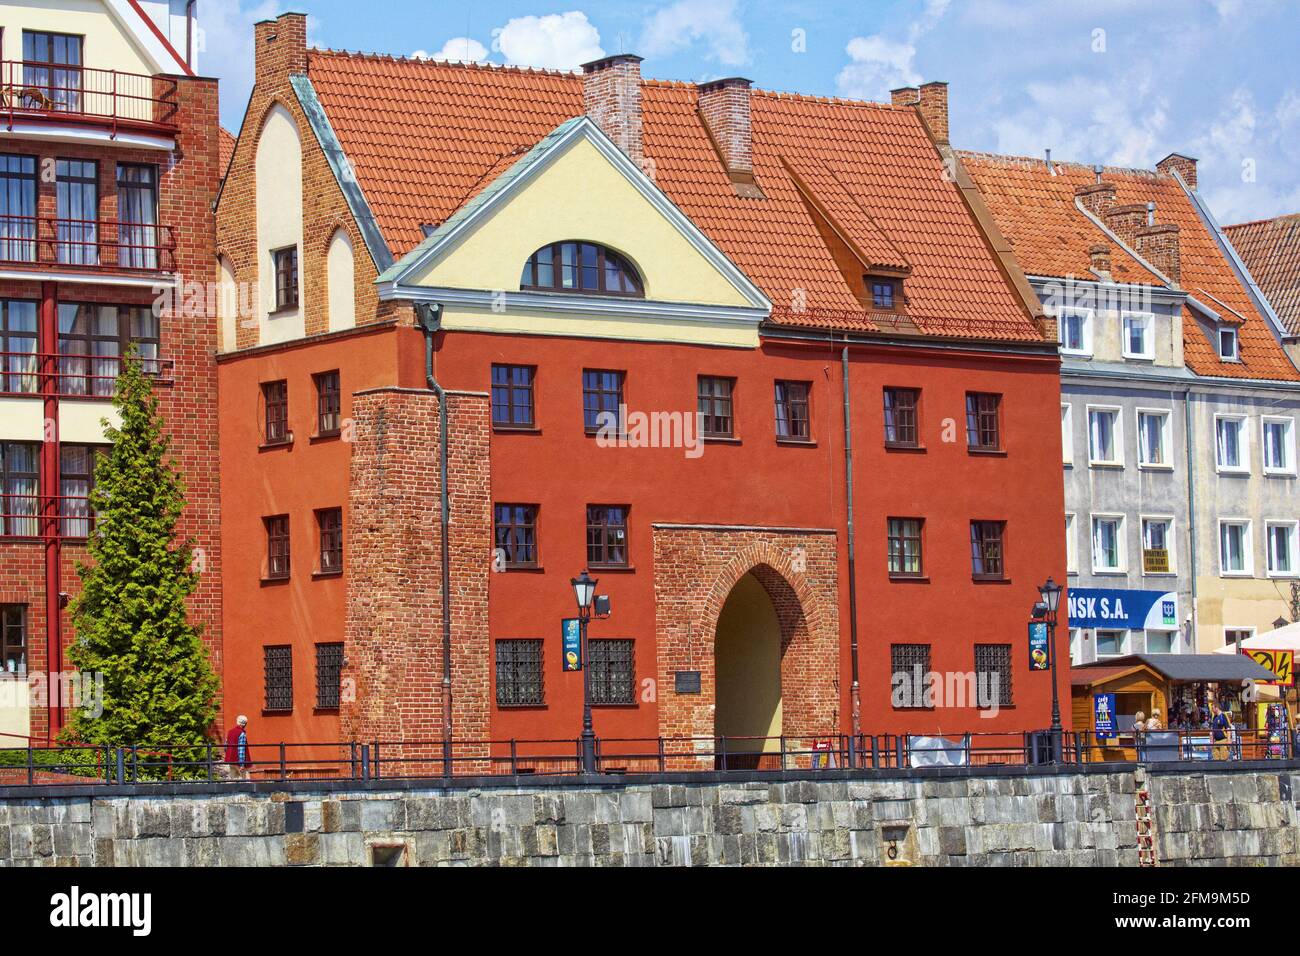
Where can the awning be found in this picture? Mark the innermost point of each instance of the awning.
(1191, 668)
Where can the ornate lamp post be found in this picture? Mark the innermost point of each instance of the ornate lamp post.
(584, 590)
(1051, 603)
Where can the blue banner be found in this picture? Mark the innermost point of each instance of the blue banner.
(1104, 716)
(1123, 610)
(572, 636)
(1039, 659)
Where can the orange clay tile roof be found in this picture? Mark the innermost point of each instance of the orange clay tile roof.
(227, 148)
(1037, 213)
(425, 137)
(1271, 250)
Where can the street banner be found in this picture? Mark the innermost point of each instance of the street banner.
(1039, 652)
(572, 635)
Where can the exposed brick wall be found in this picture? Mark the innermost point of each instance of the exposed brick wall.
(611, 96)
(1125, 221)
(1097, 198)
(934, 109)
(695, 572)
(325, 210)
(394, 615)
(1184, 165)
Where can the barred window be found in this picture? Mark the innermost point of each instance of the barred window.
(13, 639)
(520, 681)
(905, 558)
(988, 562)
(714, 396)
(993, 671)
(901, 418)
(329, 405)
(278, 665)
(275, 401)
(983, 421)
(512, 396)
(613, 671)
(909, 665)
(329, 669)
(792, 422)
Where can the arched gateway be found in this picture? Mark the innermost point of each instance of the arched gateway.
(753, 613)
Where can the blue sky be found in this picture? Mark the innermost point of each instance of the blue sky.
(1122, 82)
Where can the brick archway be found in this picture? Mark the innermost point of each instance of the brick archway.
(696, 569)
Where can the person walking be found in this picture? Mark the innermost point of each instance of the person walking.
(1220, 731)
(238, 761)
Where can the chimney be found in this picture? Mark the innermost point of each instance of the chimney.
(1184, 165)
(1158, 245)
(611, 96)
(905, 96)
(281, 48)
(724, 106)
(1125, 221)
(934, 109)
(1097, 198)
(1100, 256)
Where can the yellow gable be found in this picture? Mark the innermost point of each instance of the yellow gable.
(580, 195)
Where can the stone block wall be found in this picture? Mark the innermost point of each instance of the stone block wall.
(1243, 817)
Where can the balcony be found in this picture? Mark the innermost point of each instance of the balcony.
(101, 99)
(71, 376)
(81, 244)
(35, 517)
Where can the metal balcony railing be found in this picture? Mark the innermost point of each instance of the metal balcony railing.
(71, 375)
(107, 98)
(35, 517)
(96, 244)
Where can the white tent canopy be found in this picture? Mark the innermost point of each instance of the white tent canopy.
(1283, 639)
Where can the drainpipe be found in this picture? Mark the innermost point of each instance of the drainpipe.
(1191, 517)
(429, 317)
(856, 689)
(189, 33)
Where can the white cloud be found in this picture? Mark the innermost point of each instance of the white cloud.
(879, 63)
(687, 22)
(557, 41)
(456, 50)
(225, 46)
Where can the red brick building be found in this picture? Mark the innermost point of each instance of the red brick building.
(806, 274)
(109, 156)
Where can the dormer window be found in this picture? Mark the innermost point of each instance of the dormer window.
(581, 268)
(1229, 347)
(885, 293)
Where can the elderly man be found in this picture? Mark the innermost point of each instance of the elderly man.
(237, 757)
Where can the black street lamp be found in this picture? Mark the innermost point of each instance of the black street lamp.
(1051, 603)
(584, 590)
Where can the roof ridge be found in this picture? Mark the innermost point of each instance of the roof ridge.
(1264, 221)
(485, 66)
(1089, 167)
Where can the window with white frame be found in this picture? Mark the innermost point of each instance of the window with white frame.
(1075, 646)
(1158, 545)
(1282, 549)
(1076, 331)
(1229, 347)
(1138, 336)
(1153, 439)
(1112, 643)
(1107, 544)
(1161, 642)
(1279, 446)
(1067, 433)
(1230, 443)
(1234, 549)
(1104, 436)
(1071, 546)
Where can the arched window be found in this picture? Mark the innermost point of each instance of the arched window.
(580, 267)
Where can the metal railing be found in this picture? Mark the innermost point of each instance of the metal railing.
(70, 375)
(109, 97)
(36, 765)
(99, 244)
